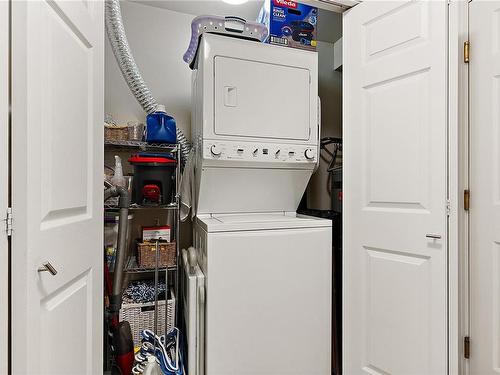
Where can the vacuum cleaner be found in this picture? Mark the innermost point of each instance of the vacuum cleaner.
(120, 334)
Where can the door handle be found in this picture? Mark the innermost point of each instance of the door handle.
(47, 267)
(230, 96)
(433, 236)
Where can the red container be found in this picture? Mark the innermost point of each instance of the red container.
(153, 179)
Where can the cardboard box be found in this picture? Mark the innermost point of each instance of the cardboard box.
(292, 24)
(156, 233)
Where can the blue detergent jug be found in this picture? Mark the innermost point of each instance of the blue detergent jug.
(160, 127)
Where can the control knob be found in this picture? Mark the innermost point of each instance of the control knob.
(309, 154)
(215, 150)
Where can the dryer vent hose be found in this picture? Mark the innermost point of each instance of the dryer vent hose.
(129, 69)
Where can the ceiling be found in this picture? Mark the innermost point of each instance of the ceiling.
(249, 10)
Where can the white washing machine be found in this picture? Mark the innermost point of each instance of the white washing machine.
(268, 288)
(267, 271)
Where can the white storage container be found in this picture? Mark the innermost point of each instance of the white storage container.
(141, 316)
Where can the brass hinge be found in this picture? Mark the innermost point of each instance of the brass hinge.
(8, 222)
(466, 199)
(466, 51)
(466, 347)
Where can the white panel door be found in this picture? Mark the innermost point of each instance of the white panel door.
(484, 76)
(57, 191)
(395, 137)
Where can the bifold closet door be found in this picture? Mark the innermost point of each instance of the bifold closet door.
(484, 85)
(57, 187)
(395, 188)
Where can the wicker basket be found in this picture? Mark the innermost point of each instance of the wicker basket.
(146, 254)
(141, 316)
(115, 132)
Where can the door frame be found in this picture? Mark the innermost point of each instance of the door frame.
(338, 6)
(4, 183)
(458, 138)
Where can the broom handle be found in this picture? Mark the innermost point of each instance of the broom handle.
(156, 288)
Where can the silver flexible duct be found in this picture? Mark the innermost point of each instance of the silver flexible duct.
(129, 69)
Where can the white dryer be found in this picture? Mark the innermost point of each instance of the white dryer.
(255, 125)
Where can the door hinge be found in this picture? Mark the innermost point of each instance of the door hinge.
(466, 51)
(466, 347)
(448, 207)
(8, 222)
(466, 199)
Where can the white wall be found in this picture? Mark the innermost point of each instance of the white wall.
(4, 124)
(158, 39)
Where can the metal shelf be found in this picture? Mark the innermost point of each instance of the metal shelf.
(150, 270)
(134, 206)
(133, 267)
(144, 146)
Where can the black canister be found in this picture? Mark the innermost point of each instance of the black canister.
(153, 179)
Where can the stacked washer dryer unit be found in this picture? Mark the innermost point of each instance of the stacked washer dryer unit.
(268, 270)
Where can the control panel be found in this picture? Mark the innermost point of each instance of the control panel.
(260, 152)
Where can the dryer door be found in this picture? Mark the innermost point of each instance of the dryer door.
(258, 99)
